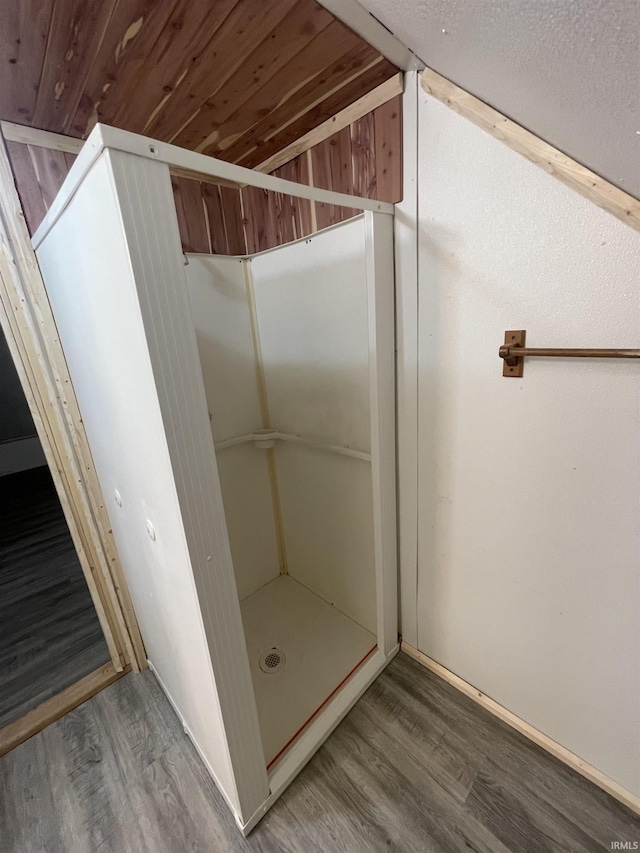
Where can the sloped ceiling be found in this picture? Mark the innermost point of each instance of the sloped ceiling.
(237, 79)
(568, 70)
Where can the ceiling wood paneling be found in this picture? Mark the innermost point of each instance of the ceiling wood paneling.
(239, 79)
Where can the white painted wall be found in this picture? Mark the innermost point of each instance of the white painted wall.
(311, 303)
(142, 402)
(221, 314)
(529, 541)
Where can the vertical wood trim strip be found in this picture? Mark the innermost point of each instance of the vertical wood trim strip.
(388, 131)
(205, 213)
(380, 294)
(314, 216)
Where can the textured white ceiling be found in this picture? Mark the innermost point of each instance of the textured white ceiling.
(568, 70)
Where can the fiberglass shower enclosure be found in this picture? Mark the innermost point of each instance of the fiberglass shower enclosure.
(240, 412)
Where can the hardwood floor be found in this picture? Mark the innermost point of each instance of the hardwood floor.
(416, 766)
(50, 636)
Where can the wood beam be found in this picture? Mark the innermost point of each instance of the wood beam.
(601, 192)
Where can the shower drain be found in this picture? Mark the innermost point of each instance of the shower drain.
(272, 660)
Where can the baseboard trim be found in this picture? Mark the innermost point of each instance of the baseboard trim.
(629, 799)
(48, 712)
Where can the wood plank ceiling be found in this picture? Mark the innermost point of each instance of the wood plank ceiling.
(236, 79)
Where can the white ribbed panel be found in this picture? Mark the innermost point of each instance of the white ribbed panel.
(90, 283)
(151, 229)
(380, 290)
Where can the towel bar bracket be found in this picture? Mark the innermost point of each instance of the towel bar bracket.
(512, 365)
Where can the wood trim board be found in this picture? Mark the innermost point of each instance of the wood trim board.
(601, 192)
(560, 752)
(48, 712)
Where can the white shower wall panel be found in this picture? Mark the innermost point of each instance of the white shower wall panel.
(311, 303)
(220, 308)
(246, 493)
(311, 306)
(93, 294)
(327, 507)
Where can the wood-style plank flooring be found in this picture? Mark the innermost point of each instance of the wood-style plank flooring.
(416, 766)
(50, 636)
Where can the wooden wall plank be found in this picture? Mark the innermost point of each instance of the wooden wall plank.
(388, 130)
(272, 219)
(255, 204)
(183, 228)
(26, 184)
(332, 169)
(363, 156)
(192, 221)
(75, 35)
(274, 53)
(197, 230)
(51, 169)
(24, 28)
(233, 224)
(215, 219)
(237, 37)
(297, 170)
(133, 30)
(39, 174)
(181, 45)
